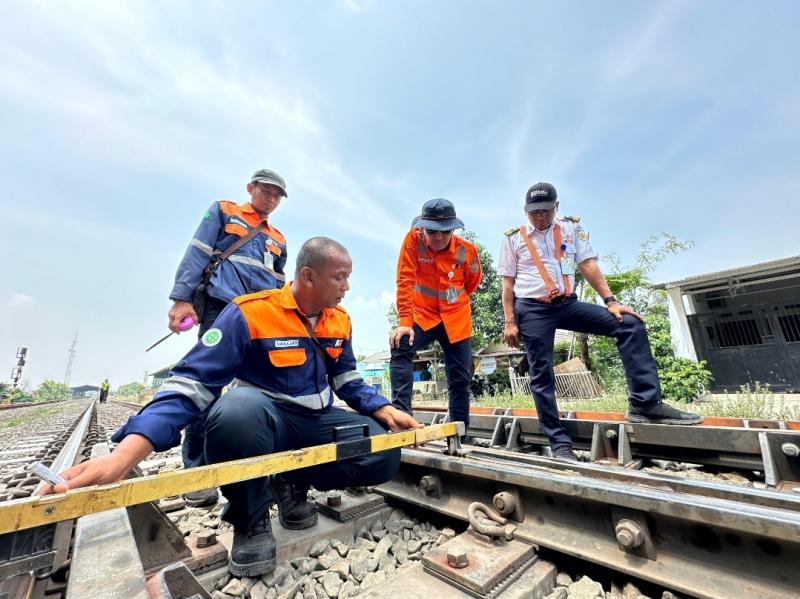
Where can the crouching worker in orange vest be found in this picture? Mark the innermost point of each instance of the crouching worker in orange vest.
(436, 273)
(291, 349)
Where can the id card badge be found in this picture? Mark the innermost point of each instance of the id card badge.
(567, 266)
(269, 259)
(451, 295)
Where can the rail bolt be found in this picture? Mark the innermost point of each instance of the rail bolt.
(334, 499)
(611, 434)
(790, 449)
(505, 503)
(427, 482)
(629, 534)
(457, 557)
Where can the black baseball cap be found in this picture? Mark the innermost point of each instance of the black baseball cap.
(541, 196)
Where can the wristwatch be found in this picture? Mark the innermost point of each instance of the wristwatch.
(609, 299)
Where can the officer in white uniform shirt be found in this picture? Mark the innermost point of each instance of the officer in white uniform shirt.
(538, 262)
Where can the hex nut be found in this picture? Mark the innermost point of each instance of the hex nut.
(629, 534)
(206, 539)
(334, 499)
(457, 557)
(611, 434)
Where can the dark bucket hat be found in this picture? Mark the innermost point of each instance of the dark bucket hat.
(438, 215)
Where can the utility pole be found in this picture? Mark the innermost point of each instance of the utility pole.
(71, 353)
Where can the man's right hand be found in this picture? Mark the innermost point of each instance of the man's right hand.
(98, 471)
(178, 312)
(110, 468)
(398, 333)
(511, 334)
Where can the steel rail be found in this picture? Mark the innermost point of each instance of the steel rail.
(695, 538)
(772, 449)
(26, 552)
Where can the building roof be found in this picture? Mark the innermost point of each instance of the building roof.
(376, 360)
(742, 274)
(84, 388)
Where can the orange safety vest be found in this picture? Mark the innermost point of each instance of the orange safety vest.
(552, 288)
(435, 287)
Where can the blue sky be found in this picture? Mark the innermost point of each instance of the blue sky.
(122, 121)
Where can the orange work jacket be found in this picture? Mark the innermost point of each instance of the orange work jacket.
(435, 287)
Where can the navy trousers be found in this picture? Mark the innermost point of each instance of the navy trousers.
(245, 423)
(457, 357)
(194, 435)
(538, 322)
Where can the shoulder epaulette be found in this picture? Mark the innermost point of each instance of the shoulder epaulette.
(249, 297)
(511, 231)
(574, 219)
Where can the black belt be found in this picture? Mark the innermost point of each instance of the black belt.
(559, 299)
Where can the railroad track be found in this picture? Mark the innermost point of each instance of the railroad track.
(623, 518)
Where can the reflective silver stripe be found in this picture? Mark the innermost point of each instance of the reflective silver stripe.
(346, 377)
(194, 390)
(250, 262)
(425, 290)
(280, 277)
(461, 255)
(314, 401)
(442, 295)
(203, 247)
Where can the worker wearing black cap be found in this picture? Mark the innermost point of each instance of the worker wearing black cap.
(538, 261)
(254, 261)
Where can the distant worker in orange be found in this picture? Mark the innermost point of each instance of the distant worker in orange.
(436, 273)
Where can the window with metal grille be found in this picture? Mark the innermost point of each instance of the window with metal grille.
(789, 321)
(732, 333)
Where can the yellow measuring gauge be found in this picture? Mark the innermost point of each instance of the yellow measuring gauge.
(37, 511)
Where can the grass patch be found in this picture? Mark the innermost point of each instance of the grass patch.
(751, 401)
(37, 414)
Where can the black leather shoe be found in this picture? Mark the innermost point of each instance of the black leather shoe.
(661, 413)
(253, 552)
(295, 512)
(565, 453)
(201, 498)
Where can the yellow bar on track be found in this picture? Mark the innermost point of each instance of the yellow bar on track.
(37, 511)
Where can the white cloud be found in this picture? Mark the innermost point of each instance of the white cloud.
(381, 301)
(20, 300)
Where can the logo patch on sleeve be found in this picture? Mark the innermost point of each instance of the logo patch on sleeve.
(212, 337)
(287, 343)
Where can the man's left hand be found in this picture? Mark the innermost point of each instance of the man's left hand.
(395, 420)
(618, 310)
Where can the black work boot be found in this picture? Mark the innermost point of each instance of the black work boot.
(661, 413)
(253, 552)
(565, 454)
(295, 512)
(201, 498)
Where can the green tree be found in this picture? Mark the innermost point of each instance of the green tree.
(486, 302)
(5, 390)
(130, 389)
(681, 379)
(51, 390)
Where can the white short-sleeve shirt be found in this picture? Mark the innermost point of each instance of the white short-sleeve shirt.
(516, 261)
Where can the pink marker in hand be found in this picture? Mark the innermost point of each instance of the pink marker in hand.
(186, 323)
